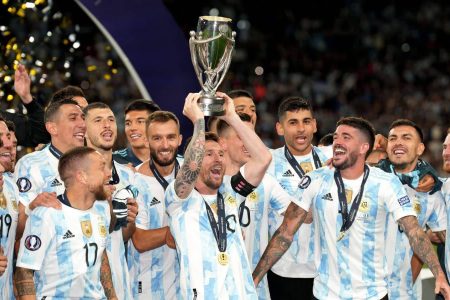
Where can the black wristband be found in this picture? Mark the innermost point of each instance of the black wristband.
(240, 185)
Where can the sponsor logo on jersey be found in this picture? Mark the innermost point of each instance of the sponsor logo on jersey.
(32, 242)
(24, 184)
(154, 201)
(327, 197)
(68, 235)
(55, 182)
(86, 227)
(288, 173)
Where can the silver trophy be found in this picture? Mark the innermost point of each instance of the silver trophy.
(211, 47)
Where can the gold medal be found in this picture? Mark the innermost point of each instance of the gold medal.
(222, 257)
(341, 235)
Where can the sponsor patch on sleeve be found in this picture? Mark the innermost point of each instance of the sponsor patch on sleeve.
(305, 182)
(24, 184)
(32, 242)
(403, 200)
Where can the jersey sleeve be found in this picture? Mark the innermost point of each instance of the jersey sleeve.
(143, 217)
(438, 217)
(36, 240)
(174, 203)
(279, 198)
(396, 199)
(27, 182)
(307, 189)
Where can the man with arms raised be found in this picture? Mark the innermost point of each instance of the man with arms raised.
(62, 253)
(36, 173)
(153, 264)
(295, 271)
(267, 201)
(351, 204)
(202, 206)
(101, 133)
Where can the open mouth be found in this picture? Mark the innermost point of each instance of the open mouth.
(135, 136)
(216, 172)
(79, 136)
(107, 135)
(339, 151)
(301, 139)
(399, 151)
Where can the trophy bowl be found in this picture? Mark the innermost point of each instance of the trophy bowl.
(211, 47)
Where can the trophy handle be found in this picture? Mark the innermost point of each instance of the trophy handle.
(198, 71)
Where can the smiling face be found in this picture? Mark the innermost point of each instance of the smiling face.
(97, 176)
(164, 139)
(135, 128)
(68, 127)
(349, 145)
(213, 165)
(298, 128)
(446, 154)
(101, 128)
(404, 148)
(6, 147)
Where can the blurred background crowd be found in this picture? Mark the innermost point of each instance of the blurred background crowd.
(379, 59)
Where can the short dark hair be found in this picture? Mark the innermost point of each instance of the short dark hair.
(142, 104)
(406, 122)
(95, 105)
(364, 126)
(222, 126)
(209, 136)
(293, 104)
(53, 108)
(326, 140)
(70, 160)
(162, 116)
(67, 92)
(239, 93)
(10, 124)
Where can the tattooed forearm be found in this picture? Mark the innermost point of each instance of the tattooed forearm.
(281, 240)
(420, 243)
(193, 157)
(106, 279)
(24, 282)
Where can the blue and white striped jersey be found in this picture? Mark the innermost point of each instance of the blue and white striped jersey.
(299, 261)
(8, 225)
(154, 273)
(430, 210)
(354, 267)
(65, 248)
(268, 201)
(35, 173)
(446, 193)
(201, 274)
(116, 247)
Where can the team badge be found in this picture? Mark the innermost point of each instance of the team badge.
(253, 197)
(306, 166)
(3, 203)
(32, 242)
(348, 195)
(213, 207)
(14, 204)
(86, 227)
(230, 200)
(222, 257)
(364, 206)
(417, 206)
(305, 182)
(102, 229)
(24, 184)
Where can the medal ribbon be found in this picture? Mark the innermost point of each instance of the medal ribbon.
(294, 164)
(162, 181)
(219, 228)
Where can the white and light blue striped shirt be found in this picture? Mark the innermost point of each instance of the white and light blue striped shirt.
(201, 274)
(65, 248)
(354, 267)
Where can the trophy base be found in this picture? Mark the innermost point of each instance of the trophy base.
(212, 106)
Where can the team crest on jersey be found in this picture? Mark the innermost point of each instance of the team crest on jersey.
(3, 203)
(102, 228)
(14, 204)
(253, 197)
(86, 227)
(230, 200)
(32, 242)
(349, 195)
(364, 206)
(417, 206)
(24, 184)
(305, 182)
(306, 166)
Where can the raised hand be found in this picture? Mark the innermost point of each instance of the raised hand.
(22, 84)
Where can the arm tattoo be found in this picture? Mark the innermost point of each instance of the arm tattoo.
(24, 282)
(106, 278)
(193, 157)
(281, 240)
(420, 243)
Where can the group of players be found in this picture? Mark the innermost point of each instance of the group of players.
(322, 222)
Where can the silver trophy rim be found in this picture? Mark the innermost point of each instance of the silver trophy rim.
(215, 18)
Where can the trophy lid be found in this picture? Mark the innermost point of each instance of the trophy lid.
(215, 19)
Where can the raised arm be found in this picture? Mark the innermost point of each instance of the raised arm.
(421, 245)
(193, 157)
(260, 159)
(25, 284)
(281, 240)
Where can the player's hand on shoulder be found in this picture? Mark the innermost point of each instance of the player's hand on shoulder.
(45, 199)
